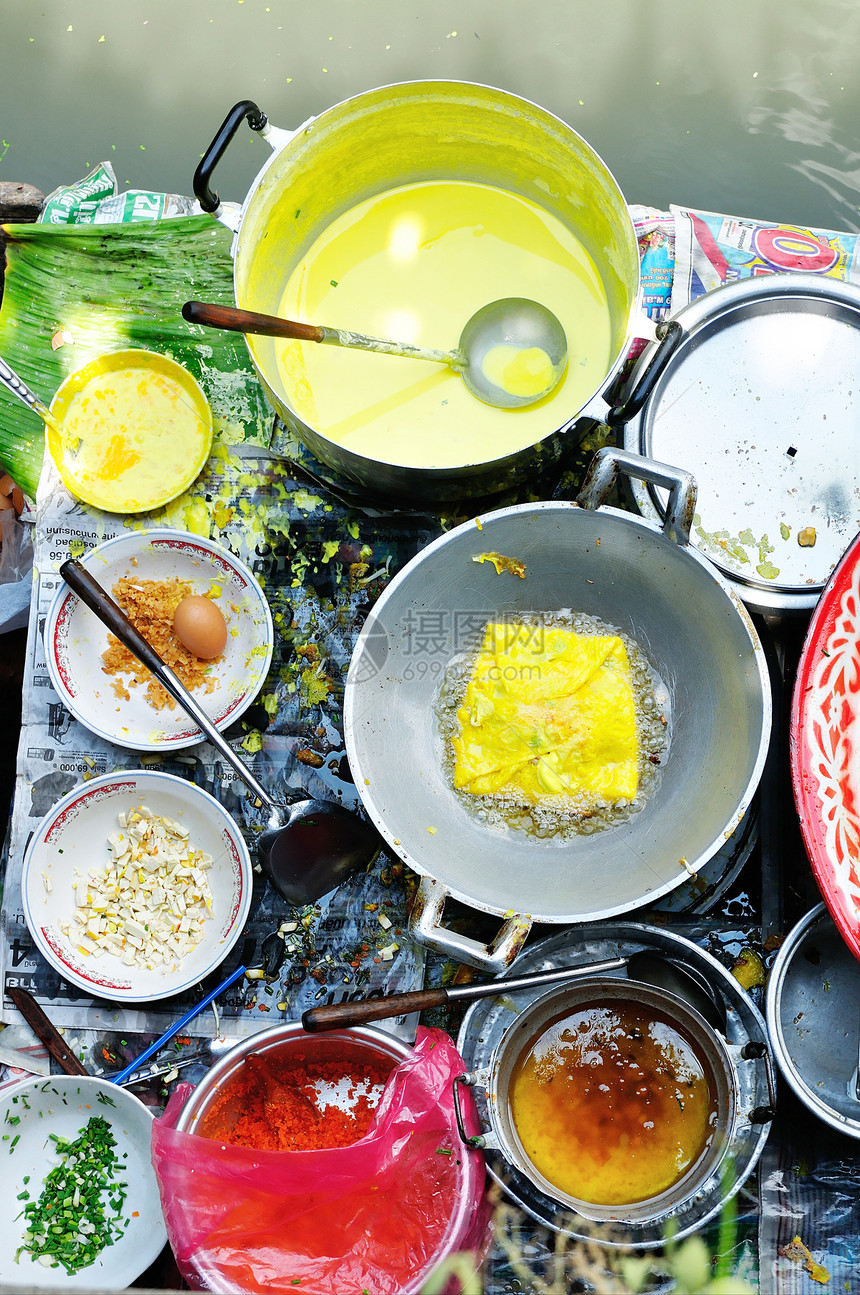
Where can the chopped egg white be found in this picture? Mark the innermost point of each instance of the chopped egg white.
(148, 905)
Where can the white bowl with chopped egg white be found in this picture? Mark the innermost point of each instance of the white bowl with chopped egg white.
(136, 885)
(149, 573)
(114, 1224)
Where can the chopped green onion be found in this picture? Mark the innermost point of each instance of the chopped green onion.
(68, 1224)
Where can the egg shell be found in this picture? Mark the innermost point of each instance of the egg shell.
(200, 626)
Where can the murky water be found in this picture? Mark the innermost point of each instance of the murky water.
(746, 107)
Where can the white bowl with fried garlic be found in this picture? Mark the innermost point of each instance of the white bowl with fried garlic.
(148, 573)
(136, 885)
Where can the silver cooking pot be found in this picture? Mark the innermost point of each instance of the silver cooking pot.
(757, 398)
(405, 134)
(634, 576)
(720, 1061)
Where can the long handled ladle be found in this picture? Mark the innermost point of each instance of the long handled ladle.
(309, 846)
(648, 967)
(501, 331)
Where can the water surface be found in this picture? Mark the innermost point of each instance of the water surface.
(745, 107)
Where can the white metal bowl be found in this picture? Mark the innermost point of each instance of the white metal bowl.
(75, 639)
(74, 835)
(62, 1105)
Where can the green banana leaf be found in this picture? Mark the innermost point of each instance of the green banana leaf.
(74, 292)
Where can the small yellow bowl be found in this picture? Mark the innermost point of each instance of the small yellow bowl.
(134, 430)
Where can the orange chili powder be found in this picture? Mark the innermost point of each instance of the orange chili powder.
(274, 1107)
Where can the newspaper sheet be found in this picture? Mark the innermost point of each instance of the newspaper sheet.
(321, 566)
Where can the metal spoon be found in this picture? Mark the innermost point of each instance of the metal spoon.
(695, 989)
(10, 380)
(514, 323)
(309, 846)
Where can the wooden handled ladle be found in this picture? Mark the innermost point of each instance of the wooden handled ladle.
(309, 846)
(515, 324)
(651, 968)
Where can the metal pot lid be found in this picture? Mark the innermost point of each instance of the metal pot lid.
(760, 403)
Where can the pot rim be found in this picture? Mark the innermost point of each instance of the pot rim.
(355, 465)
(709, 1045)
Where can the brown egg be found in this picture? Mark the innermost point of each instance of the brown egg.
(199, 626)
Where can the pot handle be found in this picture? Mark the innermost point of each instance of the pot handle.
(257, 120)
(477, 1141)
(604, 467)
(425, 923)
(670, 334)
(762, 1114)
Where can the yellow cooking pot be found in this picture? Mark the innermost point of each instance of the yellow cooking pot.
(410, 134)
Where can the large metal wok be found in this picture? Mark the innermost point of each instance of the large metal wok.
(644, 581)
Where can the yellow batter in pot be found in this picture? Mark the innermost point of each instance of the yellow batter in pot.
(414, 264)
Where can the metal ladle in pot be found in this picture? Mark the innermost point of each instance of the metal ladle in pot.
(692, 986)
(512, 352)
(308, 847)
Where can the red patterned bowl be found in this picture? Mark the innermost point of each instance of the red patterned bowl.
(825, 745)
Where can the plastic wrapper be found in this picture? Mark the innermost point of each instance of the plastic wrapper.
(378, 1215)
(96, 200)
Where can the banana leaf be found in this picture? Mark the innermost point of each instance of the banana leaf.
(74, 292)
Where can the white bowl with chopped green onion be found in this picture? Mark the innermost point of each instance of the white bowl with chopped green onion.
(79, 1200)
(136, 885)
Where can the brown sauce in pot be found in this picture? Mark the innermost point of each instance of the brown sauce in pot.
(612, 1103)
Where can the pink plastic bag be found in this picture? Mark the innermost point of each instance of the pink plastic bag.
(377, 1216)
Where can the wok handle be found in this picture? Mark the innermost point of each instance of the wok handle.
(604, 468)
(339, 1016)
(249, 321)
(257, 120)
(425, 923)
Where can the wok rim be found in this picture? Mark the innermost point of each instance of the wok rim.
(396, 844)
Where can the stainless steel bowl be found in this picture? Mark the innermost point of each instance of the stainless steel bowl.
(813, 1019)
(289, 1042)
(759, 402)
(365, 1044)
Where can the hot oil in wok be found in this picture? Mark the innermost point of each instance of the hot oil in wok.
(612, 1103)
(561, 815)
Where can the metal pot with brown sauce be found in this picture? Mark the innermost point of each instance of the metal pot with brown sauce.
(398, 214)
(616, 1100)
